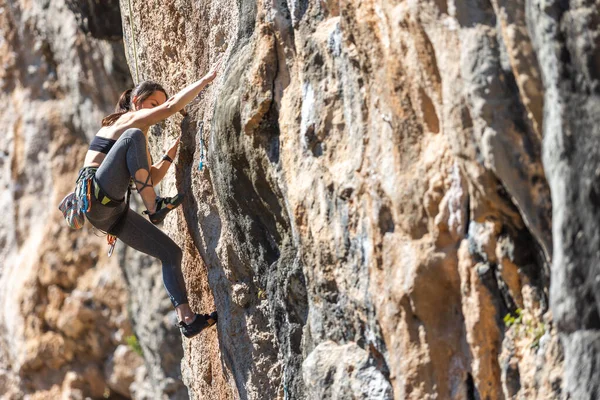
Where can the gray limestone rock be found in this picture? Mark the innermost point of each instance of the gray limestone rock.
(337, 372)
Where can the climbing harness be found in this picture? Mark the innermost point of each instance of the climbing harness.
(76, 204)
(101, 195)
(201, 164)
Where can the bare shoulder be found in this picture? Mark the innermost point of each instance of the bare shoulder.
(115, 130)
(128, 121)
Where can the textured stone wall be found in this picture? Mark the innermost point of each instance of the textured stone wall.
(374, 220)
(63, 319)
(565, 39)
(398, 199)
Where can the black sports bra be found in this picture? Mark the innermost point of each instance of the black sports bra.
(103, 145)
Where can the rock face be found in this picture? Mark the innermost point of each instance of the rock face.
(568, 59)
(374, 220)
(385, 199)
(63, 303)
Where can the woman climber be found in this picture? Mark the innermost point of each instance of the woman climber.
(119, 153)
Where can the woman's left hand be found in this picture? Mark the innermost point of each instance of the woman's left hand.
(173, 150)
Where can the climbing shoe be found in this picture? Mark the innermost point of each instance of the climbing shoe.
(164, 205)
(201, 322)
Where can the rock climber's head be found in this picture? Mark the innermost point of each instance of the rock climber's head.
(146, 94)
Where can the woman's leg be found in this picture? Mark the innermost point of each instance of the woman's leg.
(138, 233)
(127, 159)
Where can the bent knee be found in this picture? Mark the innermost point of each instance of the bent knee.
(135, 134)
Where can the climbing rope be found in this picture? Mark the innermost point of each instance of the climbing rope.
(137, 72)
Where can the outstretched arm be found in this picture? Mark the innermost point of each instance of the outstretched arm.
(149, 116)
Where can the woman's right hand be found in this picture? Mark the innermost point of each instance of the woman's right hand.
(146, 117)
(212, 74)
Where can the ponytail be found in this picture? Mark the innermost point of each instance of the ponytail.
(123, 106)
(142, 91)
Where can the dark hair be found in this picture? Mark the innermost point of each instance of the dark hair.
(142, 91)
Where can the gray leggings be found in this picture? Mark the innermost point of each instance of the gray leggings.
(127, 156)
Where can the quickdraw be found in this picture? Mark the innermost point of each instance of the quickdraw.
(84, 189)
(201, 163)
(112, 241)
(88, 197)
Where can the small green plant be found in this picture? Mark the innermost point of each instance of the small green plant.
(536, 331)
(262, 294)
(513, 319)
(132, 341)
(528, 326)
